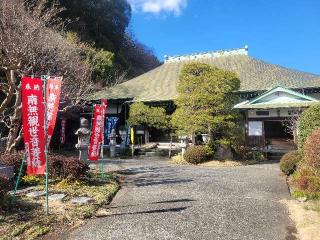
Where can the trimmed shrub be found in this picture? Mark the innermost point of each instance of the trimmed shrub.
(306, 179)
(13, 159)
(197, 154)
(289, 161)
(312, 150)
(61, 166)
(308, 122)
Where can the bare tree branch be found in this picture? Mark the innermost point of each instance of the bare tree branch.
(28, 47)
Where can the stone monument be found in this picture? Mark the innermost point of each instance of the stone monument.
(113, 143)
(183, 144)
(83, 134)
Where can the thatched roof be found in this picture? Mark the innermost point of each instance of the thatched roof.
(255, 75)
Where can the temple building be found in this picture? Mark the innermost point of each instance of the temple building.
(269, 94)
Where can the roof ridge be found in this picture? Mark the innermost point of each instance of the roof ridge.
(209, 54)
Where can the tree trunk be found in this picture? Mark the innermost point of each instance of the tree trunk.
(193, 139)
(210, 134)
(15, 132)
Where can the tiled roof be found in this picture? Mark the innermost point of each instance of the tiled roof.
(255, 75)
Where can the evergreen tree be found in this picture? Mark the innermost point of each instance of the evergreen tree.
(205, 102)
(154, 117)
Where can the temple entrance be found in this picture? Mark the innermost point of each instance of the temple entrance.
(276, 130)
(279, 140)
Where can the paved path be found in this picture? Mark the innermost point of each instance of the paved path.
(162, 201)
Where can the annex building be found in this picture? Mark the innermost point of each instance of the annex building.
(269, 94)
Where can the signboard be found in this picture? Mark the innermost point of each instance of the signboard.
(110, 124)
(255, 128)
(33, 125)
(53, 98)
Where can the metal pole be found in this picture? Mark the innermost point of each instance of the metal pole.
(92, 115)
(45, 78)
(132, 140)
(102, 144)
(18, 178)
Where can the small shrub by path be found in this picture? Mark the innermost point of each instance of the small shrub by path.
(289, 162)
(26, 218)
(197, 154)
(305, 182)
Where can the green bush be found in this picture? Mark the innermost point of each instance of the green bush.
(289, 161)
(308, 122)
(197, 154)
(248, 153)
(312, 150)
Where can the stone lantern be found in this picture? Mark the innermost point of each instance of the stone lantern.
(83, 134)
(183, 144)
(113, 143)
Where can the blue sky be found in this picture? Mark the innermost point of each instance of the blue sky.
(284, 32)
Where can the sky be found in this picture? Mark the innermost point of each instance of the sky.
(284, 32)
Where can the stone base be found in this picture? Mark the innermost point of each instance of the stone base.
(7, 171)
(223, 153)
(57, 197)
(82, 200)
(36, 194)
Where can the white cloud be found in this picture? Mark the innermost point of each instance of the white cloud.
(158, 6)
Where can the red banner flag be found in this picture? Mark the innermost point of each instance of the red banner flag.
(53, 97)
(33, 125)
(104, 111)
(95, 139)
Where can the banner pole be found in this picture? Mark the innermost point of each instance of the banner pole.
(45, 78)
(18, 178)
(132, 141)
(92, 116)
(102, 143)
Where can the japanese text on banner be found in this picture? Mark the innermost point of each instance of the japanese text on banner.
(33, 125)
(96, 138)
(53, 97)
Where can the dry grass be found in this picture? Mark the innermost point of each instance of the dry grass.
(26, 218)
(223, 163)
(306, 217)
(178, 159)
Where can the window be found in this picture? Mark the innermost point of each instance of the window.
(293, 112)
(262, 113)
(255, 128)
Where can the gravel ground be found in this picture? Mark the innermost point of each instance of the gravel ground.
(163, 201)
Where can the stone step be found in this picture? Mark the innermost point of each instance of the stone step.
(276, 156)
